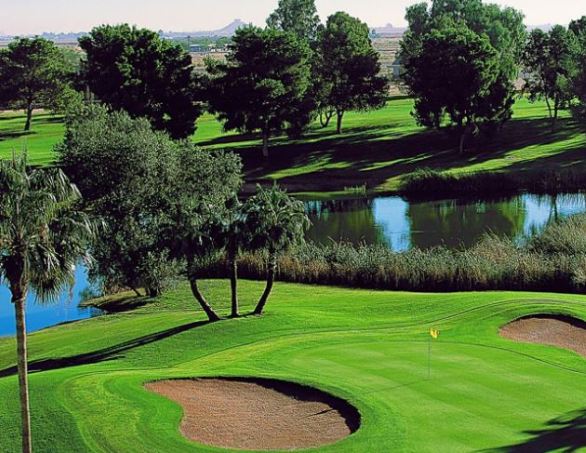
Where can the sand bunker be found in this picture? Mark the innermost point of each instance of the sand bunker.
(256, 414)
(561, 331)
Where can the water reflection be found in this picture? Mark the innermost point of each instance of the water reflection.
(40, 316)
(452, 223)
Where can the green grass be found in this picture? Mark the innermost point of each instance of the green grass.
(47, 130)
(376, 150)
(368, 347)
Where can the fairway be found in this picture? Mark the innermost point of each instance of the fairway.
(478, 392)
(375, 152)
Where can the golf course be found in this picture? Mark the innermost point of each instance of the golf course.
(476, 391)
(375, 152)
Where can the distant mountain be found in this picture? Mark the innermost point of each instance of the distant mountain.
(226, 32)
(389, 30)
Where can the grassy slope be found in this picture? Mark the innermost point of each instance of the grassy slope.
(376, 150)
(370, 347)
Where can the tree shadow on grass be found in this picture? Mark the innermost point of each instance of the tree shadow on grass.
(370, 156)
(102, 355)
(566, 433)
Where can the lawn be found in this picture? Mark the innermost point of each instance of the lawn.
(376, 150)
(485, 392)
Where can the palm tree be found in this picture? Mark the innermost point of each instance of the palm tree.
(235, 238)
(275, 223)
(42, 237)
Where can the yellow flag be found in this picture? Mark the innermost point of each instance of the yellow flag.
(434, 333)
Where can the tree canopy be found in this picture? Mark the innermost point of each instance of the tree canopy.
(348, 68)
(264, 84)
(34, 73)
(296, 16)
(435, 36)
(549, 60)
(136, 70)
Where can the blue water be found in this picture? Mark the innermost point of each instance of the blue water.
(402, 225)
(40, 316)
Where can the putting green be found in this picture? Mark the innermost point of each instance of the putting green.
(371, 348)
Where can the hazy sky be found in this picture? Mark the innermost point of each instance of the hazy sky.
(36, 16)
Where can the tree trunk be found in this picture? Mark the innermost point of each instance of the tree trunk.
(325, 118)
(209, 311)
(233, 269)
(271, 271)
(22, 365)
(463, 141)
(265, 144)
(340, 114)
(29, 117)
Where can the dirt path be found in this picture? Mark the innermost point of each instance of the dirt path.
(258, 414)
(564, 332)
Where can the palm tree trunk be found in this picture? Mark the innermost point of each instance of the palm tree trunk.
(206, 307)
(271, 271)
(22, 365)
(233, 265)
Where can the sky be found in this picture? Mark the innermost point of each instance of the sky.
(37, 16)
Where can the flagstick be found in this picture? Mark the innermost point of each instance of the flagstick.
(429, 358)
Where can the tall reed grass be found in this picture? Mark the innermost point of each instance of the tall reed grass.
(554, 260)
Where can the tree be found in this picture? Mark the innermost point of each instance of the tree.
(136, 70)
(461, 92)
(298, 17)
(42, 236)
(578, 28)
(502, 33)
(275, 223)
(264, 84)
(235, 239)
(549, 60)
(502, 28)
(33, 73)
(125, 171)
(205, 187)
(348, 69)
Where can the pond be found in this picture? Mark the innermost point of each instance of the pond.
(391, 221)
(40, 316)
(402, 225)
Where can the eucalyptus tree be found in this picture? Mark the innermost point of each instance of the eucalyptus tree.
(275, 222)
(43, 235)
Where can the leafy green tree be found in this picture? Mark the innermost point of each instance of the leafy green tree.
(505, 32)
(264, 84)
(275, 223)
(349, 69)
(124, 170)
(578, 28)
(296, 16)
(34, 72)
(43, 234)
(549, 60)
(136, 70)
(461, 92)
